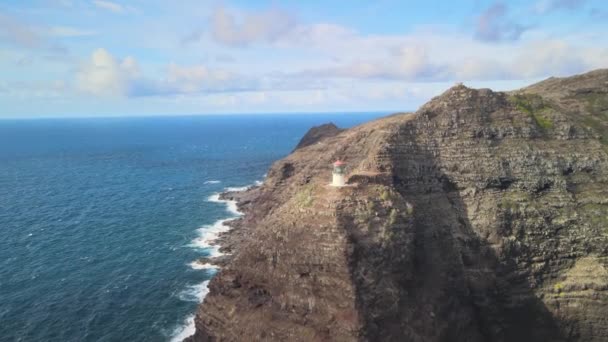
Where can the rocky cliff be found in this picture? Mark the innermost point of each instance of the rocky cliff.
(318, 133)
(481, 217)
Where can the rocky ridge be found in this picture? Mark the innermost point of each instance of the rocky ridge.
(318, 133)
(481, 217)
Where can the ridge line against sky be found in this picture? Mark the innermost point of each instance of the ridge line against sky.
(106, 58)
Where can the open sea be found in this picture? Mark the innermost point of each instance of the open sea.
(101, 219)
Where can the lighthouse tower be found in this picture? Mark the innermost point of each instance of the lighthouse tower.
(338, 174)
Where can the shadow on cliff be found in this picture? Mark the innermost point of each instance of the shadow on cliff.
(438, 280)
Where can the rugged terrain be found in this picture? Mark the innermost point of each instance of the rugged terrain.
(481, 217)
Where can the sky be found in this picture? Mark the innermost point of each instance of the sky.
(68, 58)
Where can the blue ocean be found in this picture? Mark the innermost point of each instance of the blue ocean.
(100, 217)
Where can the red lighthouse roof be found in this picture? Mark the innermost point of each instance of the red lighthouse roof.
(339, 163)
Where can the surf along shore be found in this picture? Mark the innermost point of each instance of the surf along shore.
(220, 240)
(224, 236)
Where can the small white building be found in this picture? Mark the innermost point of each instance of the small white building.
(338, 174)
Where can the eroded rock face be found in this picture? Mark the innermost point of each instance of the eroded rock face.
(481, 217)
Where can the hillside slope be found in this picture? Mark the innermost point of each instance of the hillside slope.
(481, 217)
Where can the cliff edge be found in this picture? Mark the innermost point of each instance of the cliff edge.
(481, 217)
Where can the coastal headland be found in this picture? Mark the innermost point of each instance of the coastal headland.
(483, 216)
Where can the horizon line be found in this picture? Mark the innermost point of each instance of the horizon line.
(132, 116)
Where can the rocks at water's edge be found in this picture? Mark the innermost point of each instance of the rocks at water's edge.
(481, 217)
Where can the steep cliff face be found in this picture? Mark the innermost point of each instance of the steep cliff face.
(482, 216)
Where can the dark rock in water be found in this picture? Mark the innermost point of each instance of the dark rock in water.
(481, 217)
(318, 133)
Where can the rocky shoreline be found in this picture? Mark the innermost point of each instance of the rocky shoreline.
(230, 240)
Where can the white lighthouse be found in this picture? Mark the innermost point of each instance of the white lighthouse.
(338, 174)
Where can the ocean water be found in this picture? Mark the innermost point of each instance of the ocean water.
(101, 219)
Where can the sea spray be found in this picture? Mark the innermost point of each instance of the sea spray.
(196, 265)
(195, 293)
(185, 330)
(231, 206)
(208, 234)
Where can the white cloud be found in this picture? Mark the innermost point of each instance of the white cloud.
(18, 33)
(239, 30)
(423, 55)
(22, 35)
(270, 59)
(281, 28)
(448, 56)
(318, 35)
(341, 96)
(407, 63)
(27, 90)
(339, 54)
(545, 6)
(38, 38)
(556, 58)
(413, 62)
(109, 6)
(198, 78)
(493, 25)
(105, 75)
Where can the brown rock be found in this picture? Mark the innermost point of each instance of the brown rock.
(481, 217)
(317, 133)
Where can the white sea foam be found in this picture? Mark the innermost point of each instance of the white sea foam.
(237, 188)
(199, 266)
(231, 205)
(212, 182)
(233, 208)
(215, 198)
(207, 235)
(195, 293)
(185, 330)
(214, 252)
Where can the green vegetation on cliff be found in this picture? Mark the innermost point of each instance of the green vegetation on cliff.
(536, 107)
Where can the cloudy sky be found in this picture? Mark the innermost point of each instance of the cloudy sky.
(153, 57)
